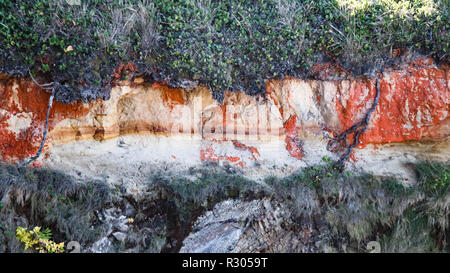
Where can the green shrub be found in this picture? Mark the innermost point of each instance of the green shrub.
(235, 45)
(38, 240)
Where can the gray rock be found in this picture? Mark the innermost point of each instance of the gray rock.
(121, 223)
(119, 236)
(237, 226)
(130, 211)
(101, 246)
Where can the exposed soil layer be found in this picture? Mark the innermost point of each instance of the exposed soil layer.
(299, 116)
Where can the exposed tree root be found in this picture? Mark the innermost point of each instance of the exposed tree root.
(46, 86)
(358, 128)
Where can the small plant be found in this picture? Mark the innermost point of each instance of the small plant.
(46, 67)
(38, 240)
(62, 67)
(434, 177)
(327, 159)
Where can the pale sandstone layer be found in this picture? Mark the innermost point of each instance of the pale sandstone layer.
(278, 132)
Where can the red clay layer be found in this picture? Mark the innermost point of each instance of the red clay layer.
(29, 98)
(413, 104)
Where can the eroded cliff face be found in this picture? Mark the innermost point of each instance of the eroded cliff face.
(288, 127)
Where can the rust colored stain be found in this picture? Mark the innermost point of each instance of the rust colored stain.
(171, 96)
(242, 164)
(209, 154)
(293, 143)
(28, 98)
(124, 70)
(224, 119)
(318, 98)
(413, 105)
(243, 147)
(232, 158)
(353, 157)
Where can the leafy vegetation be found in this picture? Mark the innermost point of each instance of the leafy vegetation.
(38, 240)
(235, 45)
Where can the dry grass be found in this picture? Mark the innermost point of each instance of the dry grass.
(361, 207)
(346, 208)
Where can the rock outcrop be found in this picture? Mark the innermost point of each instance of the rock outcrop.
(258, 226)
(236, 226)
(287, 127)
